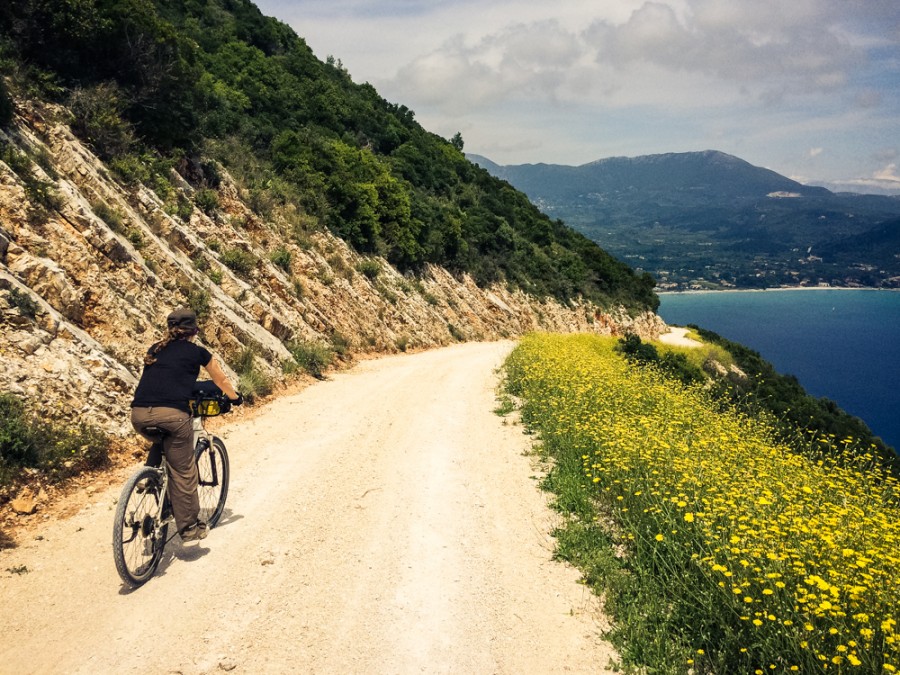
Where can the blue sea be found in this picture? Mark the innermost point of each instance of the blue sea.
(840, 344)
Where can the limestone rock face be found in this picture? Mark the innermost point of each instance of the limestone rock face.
(86, 281)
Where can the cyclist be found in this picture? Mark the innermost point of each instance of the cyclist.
(171, 367)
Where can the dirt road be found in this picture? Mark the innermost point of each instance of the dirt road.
(384, 521)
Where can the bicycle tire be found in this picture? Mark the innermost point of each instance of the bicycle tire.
(137, 543)
(214, 473)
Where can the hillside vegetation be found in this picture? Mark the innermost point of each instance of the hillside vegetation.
(717, 548)
(741, 378)
(154, 84)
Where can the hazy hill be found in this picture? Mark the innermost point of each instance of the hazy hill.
(684, 178)
(708, 218)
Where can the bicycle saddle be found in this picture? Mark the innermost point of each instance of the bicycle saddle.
(154, 433)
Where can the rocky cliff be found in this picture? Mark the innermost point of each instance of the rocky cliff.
(89, 267)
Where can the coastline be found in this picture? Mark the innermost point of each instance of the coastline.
(840, 345)
(777, 289)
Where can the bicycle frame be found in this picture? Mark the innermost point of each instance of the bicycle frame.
(144, 511)
(201, 435)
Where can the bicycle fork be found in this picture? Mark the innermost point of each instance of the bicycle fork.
(203, 443)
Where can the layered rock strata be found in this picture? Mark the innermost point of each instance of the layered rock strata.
(83, 293)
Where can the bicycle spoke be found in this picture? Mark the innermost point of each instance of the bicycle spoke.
(138, 539)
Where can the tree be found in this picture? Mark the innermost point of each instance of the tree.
(97, 113)
(6, 106)
(457, 141)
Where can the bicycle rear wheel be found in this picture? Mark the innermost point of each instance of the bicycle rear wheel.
(212, 466)
(138, 538)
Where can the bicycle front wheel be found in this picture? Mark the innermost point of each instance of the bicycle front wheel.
(138, 536)
(213, 470)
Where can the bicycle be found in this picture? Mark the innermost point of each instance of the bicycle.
(144, 511)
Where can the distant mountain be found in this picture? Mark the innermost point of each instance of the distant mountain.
(708, 219)
(691, 177)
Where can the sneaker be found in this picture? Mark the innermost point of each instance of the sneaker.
(195, 532)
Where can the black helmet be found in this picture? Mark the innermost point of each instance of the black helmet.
(183, 318)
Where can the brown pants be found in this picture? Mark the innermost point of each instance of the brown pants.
(178, 448)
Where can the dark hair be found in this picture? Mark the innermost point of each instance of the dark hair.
(175, 333)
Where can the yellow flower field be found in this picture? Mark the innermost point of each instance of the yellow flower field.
(777, 563)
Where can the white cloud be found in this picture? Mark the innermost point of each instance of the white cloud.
(888, 175)
(815, 152)
(702, 53)
(572, 81)
(773, 49)
(884, 181)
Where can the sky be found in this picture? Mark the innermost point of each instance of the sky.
(807, 88)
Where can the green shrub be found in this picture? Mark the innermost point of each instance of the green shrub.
(673, 363)
(301, 237)
(282, 258)
(253, 383)
(135, 236)
(23, 301)
(7, 108)
(151, 264)
(245, 361)
(369, 268)
(339, 266)
(340, 344)
(108, 215)
(130, 169)
(206, 200)
(27, 441)
(17, 443)
(198, 300)
(200, 262)
(678, 366)
(313, 357)
(162, 187)
(289, 366)
(15, 160)
(387, 293)
(183, 207)
(44, 159)
(41, 194)
(97, 113)
(238, 260)
(456, 333)
(632, 347)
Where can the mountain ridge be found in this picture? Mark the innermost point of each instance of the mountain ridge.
(708, 219)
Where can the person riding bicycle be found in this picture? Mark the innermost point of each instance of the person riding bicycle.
(171, 367)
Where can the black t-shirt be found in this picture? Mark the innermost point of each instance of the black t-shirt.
(169, 381)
